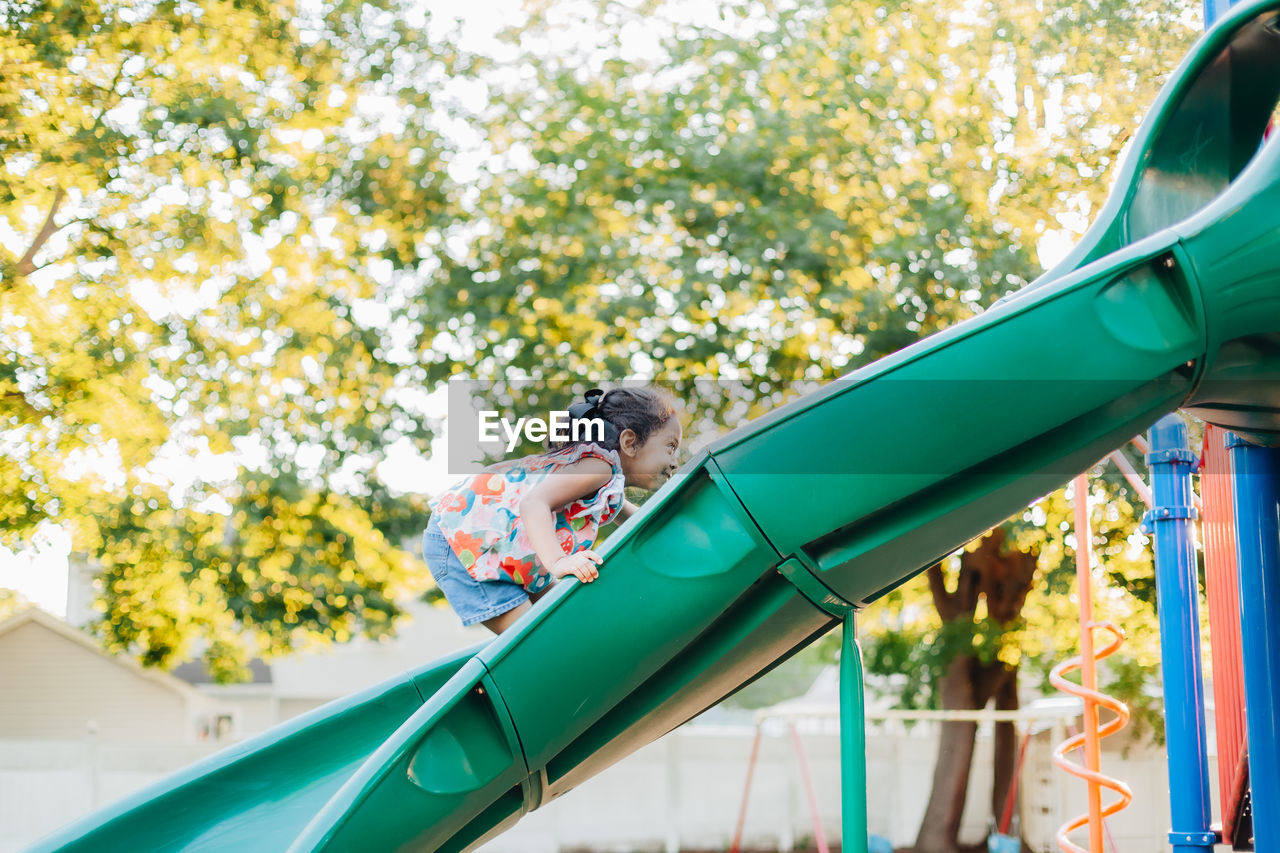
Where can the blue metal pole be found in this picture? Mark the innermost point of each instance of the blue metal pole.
(1213, 10)
(1257, 494)
(1177, 594)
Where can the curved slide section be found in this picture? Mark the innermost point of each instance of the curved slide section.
(258, 795)
(735, 564)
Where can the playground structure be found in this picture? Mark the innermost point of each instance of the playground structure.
(760, 545)
(1172, 501)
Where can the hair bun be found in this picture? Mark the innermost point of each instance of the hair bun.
(590, 411)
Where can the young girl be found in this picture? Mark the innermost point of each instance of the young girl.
(498, 540)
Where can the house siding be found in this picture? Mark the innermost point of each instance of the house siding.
(53, 687)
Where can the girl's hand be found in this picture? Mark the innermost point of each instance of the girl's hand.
(581, 565)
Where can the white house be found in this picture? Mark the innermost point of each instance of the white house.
(59, 684)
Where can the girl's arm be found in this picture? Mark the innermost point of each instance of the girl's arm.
(579, 480)
(628, 509)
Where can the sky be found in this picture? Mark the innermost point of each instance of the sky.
(40, 574)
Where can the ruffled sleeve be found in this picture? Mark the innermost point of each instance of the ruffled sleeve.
(607, 500)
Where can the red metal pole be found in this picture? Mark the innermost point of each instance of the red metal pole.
(1006, 816)
(1223, 592)
(736, 847)
(819, 837)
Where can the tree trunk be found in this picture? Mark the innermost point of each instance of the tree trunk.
(1006, 744)
(1003, 579)
(941, 825)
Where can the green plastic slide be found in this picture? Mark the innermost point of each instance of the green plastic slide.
(1171, 300)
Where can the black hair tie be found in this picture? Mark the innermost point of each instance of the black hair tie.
(590, 411)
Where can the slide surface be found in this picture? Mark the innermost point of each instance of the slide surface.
(1171, 300)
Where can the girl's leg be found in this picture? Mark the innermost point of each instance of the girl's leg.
(503, 621)
(500, 623)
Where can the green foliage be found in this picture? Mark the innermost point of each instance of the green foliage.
(214, 214)
(911, 660)
(12, 603)
(786, 191)
(1129, 680)
(287, 564)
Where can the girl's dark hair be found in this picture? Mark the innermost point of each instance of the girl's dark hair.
(643, 410)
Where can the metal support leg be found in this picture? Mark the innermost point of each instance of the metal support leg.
(1257, 494)
(853, 743)
(853, 725)
(1177, 594)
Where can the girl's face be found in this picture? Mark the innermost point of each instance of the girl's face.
(651, 464)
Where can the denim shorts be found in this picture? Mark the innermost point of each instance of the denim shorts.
(474, 601)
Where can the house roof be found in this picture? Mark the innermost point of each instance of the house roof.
(197, 672)
(320, 673)
(36, 616)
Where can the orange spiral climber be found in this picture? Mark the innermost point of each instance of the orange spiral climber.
(1095, 778)
(1086, 662)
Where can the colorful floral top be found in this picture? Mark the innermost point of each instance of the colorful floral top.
(480, 516)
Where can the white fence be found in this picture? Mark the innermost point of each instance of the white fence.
(683, 792)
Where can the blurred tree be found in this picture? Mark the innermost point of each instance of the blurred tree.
(12, 603)
(789, 192)
(215, 219)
